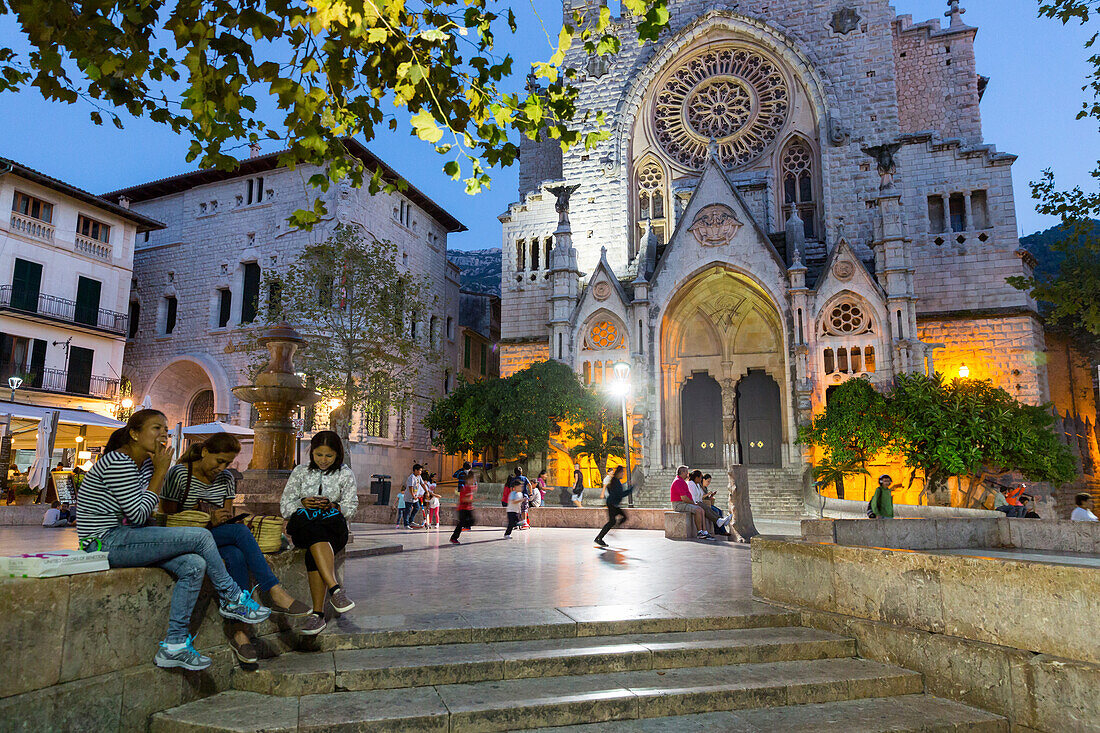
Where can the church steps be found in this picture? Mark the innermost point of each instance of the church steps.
(624, 668)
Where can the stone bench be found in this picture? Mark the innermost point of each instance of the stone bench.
(78, 650)
(679, 526)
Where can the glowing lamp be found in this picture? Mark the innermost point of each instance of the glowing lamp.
(80, 439)
(964, 371)
(622, 371)
(334, 403)
(127, 403)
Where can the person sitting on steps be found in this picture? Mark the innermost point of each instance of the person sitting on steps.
(201, 477)
(118, 497)
(317, 501)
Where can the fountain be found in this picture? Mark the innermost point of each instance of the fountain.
(277, 393)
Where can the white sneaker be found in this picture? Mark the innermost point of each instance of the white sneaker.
(724, 521)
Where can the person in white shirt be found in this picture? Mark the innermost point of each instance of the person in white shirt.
(1083, 512)
(412, 504)
(53, 517)
(515, 506)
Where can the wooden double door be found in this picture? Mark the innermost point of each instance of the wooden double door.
(759, 422)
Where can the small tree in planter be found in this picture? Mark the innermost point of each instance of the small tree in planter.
(598, 437)
(856, 425)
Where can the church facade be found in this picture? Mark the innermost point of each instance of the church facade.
(792, 195)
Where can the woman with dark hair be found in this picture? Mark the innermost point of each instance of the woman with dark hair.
(317, 501)
(201, 480)
(118, 496)
(616, 492)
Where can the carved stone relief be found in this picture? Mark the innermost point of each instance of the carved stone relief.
(715, 225)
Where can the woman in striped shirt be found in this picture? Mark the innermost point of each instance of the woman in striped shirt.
(118, 496)
(200, 480)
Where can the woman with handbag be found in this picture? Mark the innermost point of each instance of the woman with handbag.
(201, 485)
(118, 497)
(318, 499)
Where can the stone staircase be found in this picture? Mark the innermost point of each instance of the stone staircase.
(742, 666)
(775, 493)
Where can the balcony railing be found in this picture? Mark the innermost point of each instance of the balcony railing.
(31, 227)
(59, 380)
(92, 248)
(61, 309)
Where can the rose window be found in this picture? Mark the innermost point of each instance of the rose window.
(604, 335)
(730, 94)
(847, 318)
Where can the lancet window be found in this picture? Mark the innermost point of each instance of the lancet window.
(652, 202)
(798, 185)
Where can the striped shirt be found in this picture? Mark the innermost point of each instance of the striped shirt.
(223, 487)
(116, 489)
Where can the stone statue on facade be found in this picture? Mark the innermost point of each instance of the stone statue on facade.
(884, 158)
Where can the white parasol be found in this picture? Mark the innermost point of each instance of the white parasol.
(39, 473)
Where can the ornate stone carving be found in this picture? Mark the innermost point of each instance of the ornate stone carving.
(845, 20)
(601, 290)
(561, 195)
(847, 319)
(728, 93)
(598, 65)
(715, 225)
(838, 133)
(844, 269)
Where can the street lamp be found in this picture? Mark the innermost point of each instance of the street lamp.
(964, 371)
(621, 386)
(15, 383)
(127, 403)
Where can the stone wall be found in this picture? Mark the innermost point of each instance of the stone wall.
(1021, 639)
(78, 650)
(1007, 350)
(937, 79)
(945, 533)
(517, 356)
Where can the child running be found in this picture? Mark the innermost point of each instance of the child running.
(433, 508)
(466, 491)
(515, 508)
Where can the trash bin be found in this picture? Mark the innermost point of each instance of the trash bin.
(380, 487)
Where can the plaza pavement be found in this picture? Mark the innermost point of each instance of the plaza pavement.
(537, 568)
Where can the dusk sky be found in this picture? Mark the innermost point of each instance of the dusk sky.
(1037, 68)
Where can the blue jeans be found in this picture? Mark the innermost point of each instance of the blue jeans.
(242, 556)
(186, 552)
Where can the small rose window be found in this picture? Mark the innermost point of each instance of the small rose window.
(604, 335)
(847, 318)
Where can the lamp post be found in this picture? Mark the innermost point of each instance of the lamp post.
(622, 386)
(15, 383)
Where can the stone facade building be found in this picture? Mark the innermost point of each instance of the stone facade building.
(792, 195)
(67, 257)
(479, 322)
(197, 284)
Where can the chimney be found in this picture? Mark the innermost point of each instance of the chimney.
(124, 201)
(254, 150)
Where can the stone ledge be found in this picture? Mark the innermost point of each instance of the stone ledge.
(546, 516)
(947, 533)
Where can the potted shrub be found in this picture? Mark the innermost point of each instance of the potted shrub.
(25, 493)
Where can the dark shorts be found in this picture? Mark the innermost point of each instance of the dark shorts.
(307, 532)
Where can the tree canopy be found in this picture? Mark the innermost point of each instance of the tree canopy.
(330, 68)
(967, 429)
(516, 414)
(363, 320)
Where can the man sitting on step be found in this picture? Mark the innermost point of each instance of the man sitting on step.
(683, 502)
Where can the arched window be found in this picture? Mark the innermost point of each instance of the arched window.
(798, 185)
(652, 202)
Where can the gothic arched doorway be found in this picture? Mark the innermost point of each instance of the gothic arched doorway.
(720, 325)
(759, 419)
(701, 421)
(202, 408)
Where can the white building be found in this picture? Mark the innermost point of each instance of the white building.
(66, 258)
(198, 282)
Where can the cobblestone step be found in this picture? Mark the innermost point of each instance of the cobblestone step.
(902, 714)
(371, 669)
(542, 702)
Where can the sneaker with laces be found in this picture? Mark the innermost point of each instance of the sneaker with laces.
(314, 625)
(244, 609)
(187, 657)
(340, 601)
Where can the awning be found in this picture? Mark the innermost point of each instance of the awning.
(206, 429)
(25, 419)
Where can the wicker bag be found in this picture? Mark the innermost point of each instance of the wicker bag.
(268, 531)
(188, 518)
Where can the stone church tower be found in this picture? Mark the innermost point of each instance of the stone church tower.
(793, 194)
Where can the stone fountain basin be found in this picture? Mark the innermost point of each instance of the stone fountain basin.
(290, 394)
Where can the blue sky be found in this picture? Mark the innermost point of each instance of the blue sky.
(1037, 68)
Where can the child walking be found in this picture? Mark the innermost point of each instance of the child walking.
(515, 508)
(433, 509)
(466, 491)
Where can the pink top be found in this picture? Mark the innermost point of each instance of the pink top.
(680, 491)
